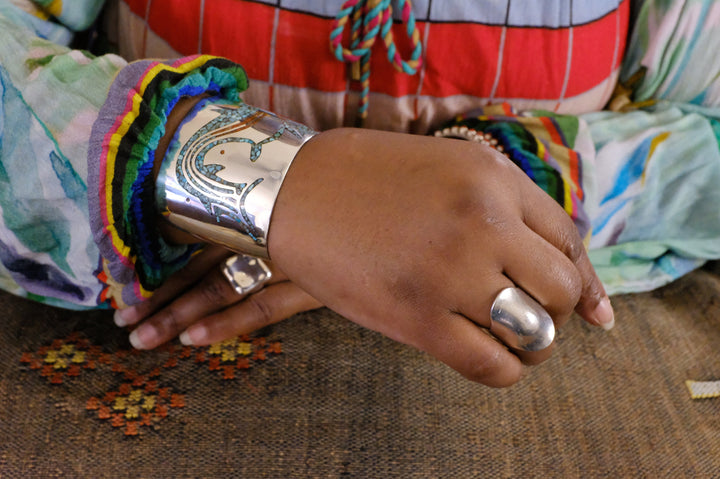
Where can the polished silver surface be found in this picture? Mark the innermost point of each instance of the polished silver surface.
(246, 274)
(520, 322)
(222, 173)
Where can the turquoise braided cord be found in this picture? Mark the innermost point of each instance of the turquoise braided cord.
(409, 67)
(371, 19)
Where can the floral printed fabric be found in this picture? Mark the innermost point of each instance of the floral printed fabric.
(50, 99)
(656, 215)
(75, 127)
(657, 211)
(675, 46)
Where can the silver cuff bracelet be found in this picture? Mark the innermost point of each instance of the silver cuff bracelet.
(222, 174)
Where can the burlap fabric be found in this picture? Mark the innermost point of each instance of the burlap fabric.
(317, 396)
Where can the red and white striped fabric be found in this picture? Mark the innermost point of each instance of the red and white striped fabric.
(559, 55)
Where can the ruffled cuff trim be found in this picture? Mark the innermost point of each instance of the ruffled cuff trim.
(136, 260)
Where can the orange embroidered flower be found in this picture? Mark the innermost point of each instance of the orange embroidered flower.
(139, 401)
(237, 353)
(131, 428)
(64, 358)
(134, 407)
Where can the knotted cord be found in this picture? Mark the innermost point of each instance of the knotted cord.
(368, 19)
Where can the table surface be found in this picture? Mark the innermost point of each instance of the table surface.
(317, 396)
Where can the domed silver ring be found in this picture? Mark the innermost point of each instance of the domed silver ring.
(520, 322)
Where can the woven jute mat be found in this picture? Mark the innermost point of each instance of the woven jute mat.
(317, 396)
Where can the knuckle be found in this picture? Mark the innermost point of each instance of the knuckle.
(565, 295)
(215, 291)
(568, 238)
(469, 199)
(570, 282)
(167, 321)
(261, 309)
(469, 189)
(573, 246)
(146, 308)
(488, 370)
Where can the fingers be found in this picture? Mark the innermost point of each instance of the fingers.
(213, 292)
(475, 300)
(544, 217)
(198, 267)
(202, 307)
(544, 272)
(471, 351)
(268, 306)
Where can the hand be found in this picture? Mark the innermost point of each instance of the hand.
(198, 304)
(415, 236)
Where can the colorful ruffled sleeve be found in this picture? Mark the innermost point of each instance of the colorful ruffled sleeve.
(554, 150)
(49, 98)
(135, 259)
(77, 137)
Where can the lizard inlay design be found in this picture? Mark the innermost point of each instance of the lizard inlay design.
(199, 173)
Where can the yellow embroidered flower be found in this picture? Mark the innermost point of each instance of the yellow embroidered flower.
(244, 348)
(61, 357)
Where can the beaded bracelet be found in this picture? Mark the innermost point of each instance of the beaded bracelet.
(470, 134)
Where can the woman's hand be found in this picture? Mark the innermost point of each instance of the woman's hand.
(199, 305)
(415, 236)
(410, 236)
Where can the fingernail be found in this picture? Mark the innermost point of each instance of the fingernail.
(142, 336)
(603, 314)
(119, 318)
(127, 316)
(193, 335)
(185, 339)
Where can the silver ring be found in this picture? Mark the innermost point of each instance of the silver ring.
(520, 322)
(246, 274)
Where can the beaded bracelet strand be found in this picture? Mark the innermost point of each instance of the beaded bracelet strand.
(470, 134)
